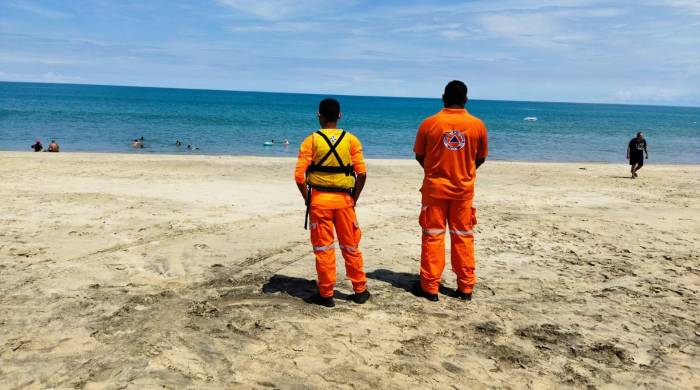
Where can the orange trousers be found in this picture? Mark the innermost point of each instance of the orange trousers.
(322, 223)
(461, 218)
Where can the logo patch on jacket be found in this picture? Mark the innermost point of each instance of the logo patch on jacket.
(332, 139)
(454, 140)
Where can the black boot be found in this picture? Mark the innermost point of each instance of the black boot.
(463, 296)
(418, 291)
(360, 298)
(322, 301)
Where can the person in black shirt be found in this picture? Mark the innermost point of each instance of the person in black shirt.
(38, 147)
(636, 149)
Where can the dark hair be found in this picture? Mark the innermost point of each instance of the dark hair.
(329, 109)
(455, 93)
(639, 133)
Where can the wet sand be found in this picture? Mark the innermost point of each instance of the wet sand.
(138, 271)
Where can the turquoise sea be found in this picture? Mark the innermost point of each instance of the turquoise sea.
(108, 118)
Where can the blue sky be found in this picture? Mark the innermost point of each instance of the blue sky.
(644, 51)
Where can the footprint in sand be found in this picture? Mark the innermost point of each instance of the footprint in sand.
(169, 266)
(174, 267)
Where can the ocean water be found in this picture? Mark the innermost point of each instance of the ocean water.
(108, 118)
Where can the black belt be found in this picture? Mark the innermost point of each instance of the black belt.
(349, 191)
(346, 169)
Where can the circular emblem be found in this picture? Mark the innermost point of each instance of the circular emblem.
(453, 140)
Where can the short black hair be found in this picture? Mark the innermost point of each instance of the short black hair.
(455, 93)
(639, 133)
(330, 109)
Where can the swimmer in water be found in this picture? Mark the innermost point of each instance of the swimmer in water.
(137, 144)
(38, 147)
(53, 146)
(178, 143)
(286, 141)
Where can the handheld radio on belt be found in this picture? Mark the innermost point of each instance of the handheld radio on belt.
(308, 207)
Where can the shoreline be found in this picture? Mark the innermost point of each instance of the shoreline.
(246, 156)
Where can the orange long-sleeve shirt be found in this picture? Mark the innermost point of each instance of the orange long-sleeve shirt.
(323, 199)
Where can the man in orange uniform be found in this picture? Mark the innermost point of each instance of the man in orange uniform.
(330, 174)
(450, 146)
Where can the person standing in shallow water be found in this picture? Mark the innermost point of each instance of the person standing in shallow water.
(636, 149)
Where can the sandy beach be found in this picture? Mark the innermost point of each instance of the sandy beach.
(145, 271)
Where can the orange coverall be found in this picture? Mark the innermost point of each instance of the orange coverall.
(329, 211)
(450, 142)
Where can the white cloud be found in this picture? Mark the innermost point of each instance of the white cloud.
(544, 28)
(294, 27)
(54, 77)
(427, 28)
(37, 10)
(280, 9)
(29, 58)
(690, 6)
(427, 9)
(527, 29)
(453, 34)
(649, 93)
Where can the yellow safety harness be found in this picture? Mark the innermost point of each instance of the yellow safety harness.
(326, 174)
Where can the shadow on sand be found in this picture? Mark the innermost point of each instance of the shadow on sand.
(403, 280)
(301, 288)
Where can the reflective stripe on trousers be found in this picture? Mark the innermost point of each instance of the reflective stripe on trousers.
(324, 223)
(334, 246)
(324, 248)
(435, 216)
(348, 248)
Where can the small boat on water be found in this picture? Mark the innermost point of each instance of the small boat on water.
(530, 119)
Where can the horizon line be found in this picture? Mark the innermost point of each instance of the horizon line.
(336, 94)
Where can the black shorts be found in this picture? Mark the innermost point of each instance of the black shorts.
(637, 160)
